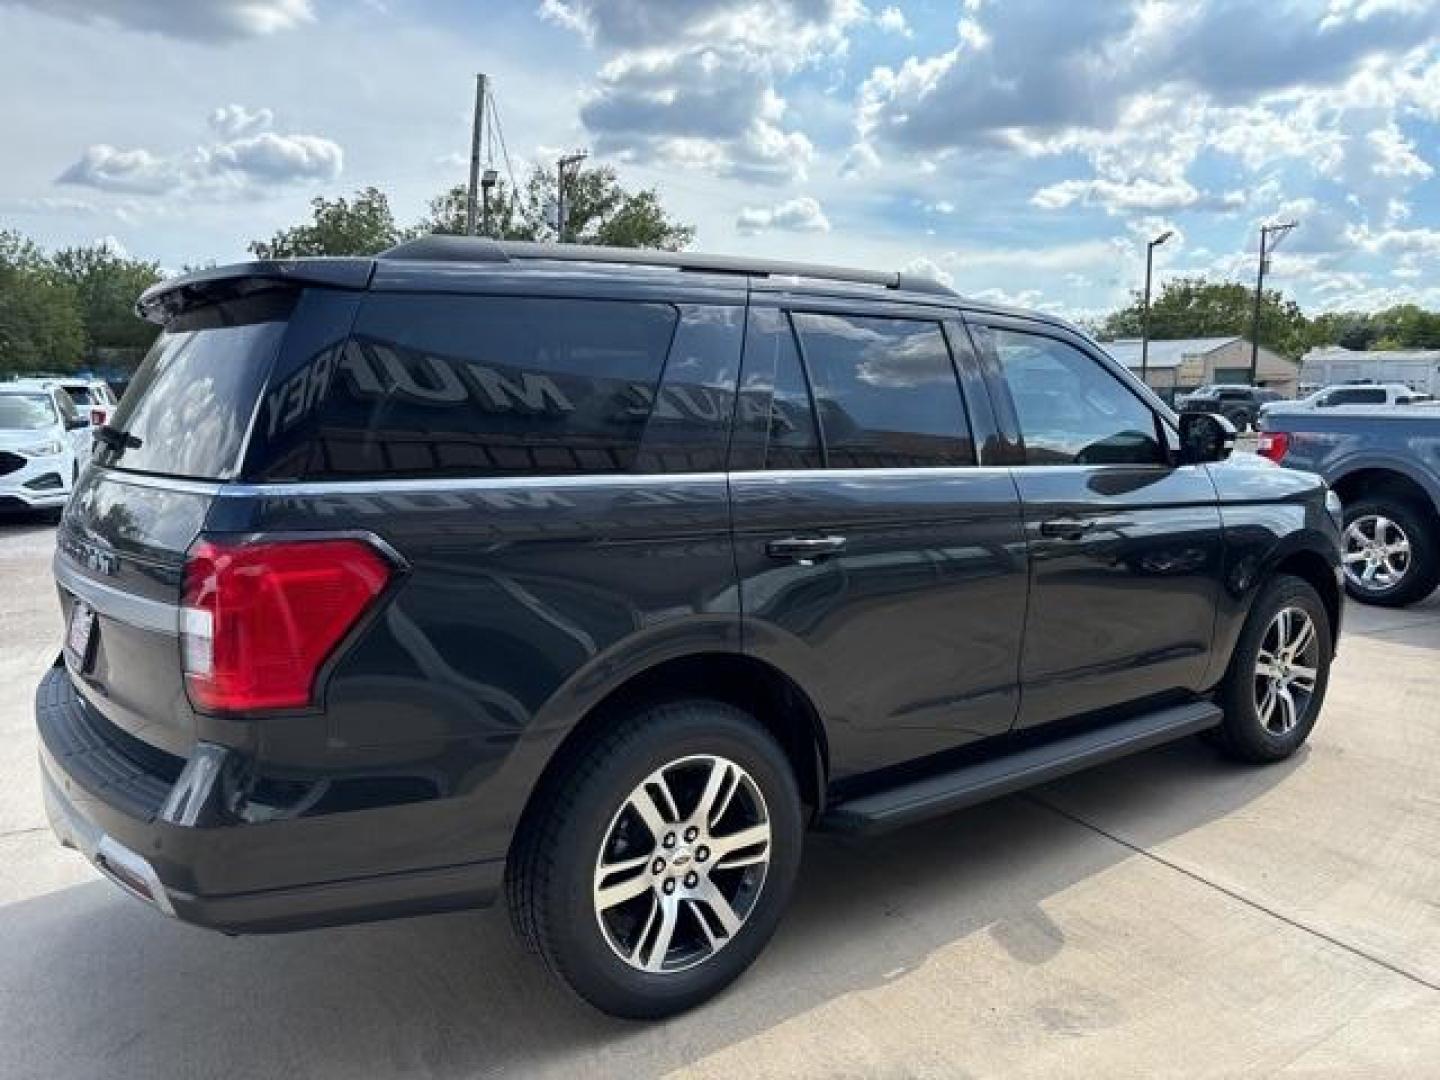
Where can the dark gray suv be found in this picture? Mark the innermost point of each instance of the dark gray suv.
(597, 576)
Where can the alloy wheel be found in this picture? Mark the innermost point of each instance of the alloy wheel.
(682, 864)
(1376, 553)
(1286, 670)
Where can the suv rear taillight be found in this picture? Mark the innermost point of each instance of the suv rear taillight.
(97, 417)
(1273, 445)
(258, 619)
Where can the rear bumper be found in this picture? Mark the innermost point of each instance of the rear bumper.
(161, 840)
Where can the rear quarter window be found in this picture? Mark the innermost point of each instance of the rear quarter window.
(481, 386)
(190, 404)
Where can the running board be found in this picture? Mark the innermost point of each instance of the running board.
(983, 780)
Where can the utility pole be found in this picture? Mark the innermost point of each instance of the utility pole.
(1279, 229)
(477, 133)
(563, 166)
(1145, 315)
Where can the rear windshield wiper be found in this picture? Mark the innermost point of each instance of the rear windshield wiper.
(116, 439)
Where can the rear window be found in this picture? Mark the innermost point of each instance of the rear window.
(189, 406)
(483, 386)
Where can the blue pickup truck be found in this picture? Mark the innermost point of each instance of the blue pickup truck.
(1384, 463)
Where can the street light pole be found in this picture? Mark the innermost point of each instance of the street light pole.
(1279, 229)
(1145, 315)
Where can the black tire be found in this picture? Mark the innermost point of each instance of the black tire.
(1244, 734)
(550, 879)
(1423, 572)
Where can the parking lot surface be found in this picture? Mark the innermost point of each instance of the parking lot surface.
(1171, 914)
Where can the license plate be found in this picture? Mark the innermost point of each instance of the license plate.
(82, 628)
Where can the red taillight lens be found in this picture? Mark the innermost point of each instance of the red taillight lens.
(1273, 445)
(97, 417)
(259, 619)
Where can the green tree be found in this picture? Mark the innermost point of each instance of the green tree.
(1194, 307)
(107, 286)
(598, 211)
(448, 212)
(1406, 326)
(362, 226)
(40, 324)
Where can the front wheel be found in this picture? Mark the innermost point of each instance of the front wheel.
(664, 860)
(1278, 674)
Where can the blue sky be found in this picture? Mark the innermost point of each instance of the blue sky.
(1022, 149)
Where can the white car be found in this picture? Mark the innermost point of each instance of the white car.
(1332, 397)
(44, 443)
(93, 397)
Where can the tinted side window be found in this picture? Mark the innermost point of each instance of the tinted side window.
(474, 386)
(793, 441)
(1070, 409)
(885, 391)
(1366, 396)
(689, 426)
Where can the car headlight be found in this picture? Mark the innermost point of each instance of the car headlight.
(44, 449)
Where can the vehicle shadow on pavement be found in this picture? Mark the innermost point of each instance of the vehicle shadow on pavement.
(92, 984)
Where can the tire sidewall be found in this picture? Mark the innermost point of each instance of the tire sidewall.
(675, 731)
(1246, 734)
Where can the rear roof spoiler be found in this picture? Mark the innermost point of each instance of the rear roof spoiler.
(162, 302)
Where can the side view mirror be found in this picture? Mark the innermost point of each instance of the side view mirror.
(76, 424)
(1205, 437)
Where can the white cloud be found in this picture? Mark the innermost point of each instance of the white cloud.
(892, 21)
(234, 121)
(802, 214)
(248, 163)
(212, 21)
(139, 172)
(694, 85)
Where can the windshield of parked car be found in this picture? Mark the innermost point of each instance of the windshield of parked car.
(26, 412)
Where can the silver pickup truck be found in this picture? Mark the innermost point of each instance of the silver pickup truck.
(1384, 463)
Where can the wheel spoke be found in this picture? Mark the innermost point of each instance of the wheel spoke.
(739, 841)
(1288, 712)
(653, 957)
(1302, 677)
(721, 782)
(612, 895)
(657, 816)
(1266, 705)
(709, 896)
(1351, 557)
(1304, 636)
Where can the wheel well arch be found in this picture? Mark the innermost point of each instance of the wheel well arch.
(763, 691)
(1312, 567)
(1379, 482)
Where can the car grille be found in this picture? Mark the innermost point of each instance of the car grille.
(10, 462)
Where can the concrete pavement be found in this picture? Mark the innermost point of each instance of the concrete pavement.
(1171, 914)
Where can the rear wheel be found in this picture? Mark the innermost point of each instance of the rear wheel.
(1276, 684)
(664, 860)
(1390, 553)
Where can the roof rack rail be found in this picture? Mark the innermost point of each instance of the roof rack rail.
(481, 249)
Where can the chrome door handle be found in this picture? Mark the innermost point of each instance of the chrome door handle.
(804, 549)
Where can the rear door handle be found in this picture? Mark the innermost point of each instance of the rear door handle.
(1065, 529)
(805, 549)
